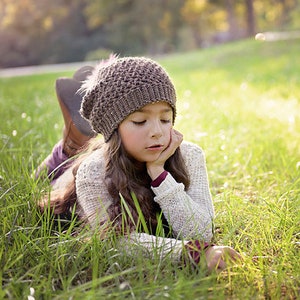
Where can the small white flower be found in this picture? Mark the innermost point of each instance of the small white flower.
(31, 296)
(124, 285)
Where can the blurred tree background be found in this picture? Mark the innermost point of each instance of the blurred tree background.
(37, 32)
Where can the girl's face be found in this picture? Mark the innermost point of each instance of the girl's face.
(146, 132)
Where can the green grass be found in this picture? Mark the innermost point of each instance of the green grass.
(240, 102)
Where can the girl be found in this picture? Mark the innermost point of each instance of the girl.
(142, 171)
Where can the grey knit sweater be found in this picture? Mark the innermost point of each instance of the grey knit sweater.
(189, 213)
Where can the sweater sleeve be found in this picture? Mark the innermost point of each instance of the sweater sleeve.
(152, 246)
(190, 213)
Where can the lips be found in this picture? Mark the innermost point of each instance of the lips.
(155, 147)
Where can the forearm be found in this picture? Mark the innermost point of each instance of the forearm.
(181, 252)
(152, 246)
(188, 218)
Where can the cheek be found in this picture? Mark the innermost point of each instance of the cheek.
(128, 137)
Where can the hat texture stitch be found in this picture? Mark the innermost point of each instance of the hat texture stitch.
(116, 90)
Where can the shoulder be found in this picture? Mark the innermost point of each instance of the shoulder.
(92, 166)
(192, 154)
(189, 149)
(92, 196)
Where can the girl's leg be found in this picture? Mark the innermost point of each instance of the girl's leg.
(77, 131)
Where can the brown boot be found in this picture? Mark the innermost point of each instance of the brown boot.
(77, 131)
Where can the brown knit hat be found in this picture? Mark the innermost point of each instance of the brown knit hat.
(121, 87)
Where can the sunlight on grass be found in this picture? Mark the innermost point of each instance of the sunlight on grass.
(240, 103)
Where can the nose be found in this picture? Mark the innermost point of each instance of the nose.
(156, 129)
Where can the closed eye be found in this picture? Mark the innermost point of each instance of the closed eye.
(138, 122)
(164, 121)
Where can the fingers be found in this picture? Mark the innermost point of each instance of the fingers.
(220, 256)
(233, 255)
(175, 140)
(221, 265)
(176, 135)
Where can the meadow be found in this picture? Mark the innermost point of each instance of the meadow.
(241, 103)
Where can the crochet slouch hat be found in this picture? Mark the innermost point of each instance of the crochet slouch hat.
(122, 86)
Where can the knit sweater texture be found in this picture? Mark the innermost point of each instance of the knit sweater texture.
(190, 213)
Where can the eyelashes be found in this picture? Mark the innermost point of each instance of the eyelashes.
(139, 123)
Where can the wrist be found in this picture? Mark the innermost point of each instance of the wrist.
(158, 180)
(154, 172)
(197, 248)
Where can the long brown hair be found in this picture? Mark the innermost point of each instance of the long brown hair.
(124, 177)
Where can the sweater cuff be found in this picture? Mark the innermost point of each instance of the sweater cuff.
(157, 181)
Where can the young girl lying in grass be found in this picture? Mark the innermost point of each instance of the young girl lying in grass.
(142, 173)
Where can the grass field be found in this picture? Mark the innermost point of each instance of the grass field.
(241, 103)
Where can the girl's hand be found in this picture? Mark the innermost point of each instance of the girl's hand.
(217, 257)
(175, 140)
(155, 168)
